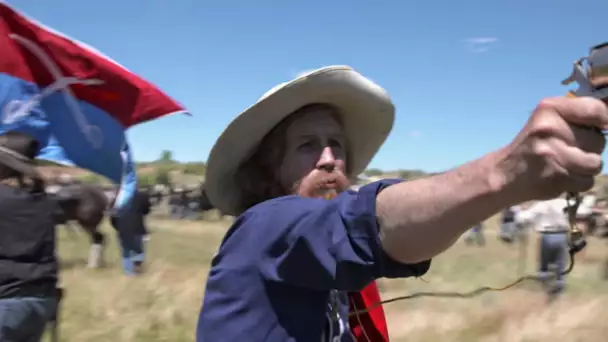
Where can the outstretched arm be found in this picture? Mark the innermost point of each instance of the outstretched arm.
(422, 218)
(555, 152)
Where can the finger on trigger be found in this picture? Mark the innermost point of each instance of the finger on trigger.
(578, 161)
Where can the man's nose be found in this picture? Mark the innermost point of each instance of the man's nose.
(327, 160)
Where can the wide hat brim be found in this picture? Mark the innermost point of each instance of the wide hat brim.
(366, 111)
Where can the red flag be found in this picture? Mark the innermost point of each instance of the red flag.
(121, 94)
(74, 100)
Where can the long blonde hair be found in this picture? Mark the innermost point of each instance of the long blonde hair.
(257, 176)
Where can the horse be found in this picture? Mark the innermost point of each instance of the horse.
(183, 202)
(180, 200)
(85, 204)
(156, 194)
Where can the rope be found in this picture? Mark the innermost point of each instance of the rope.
(576, 243)
(464, 295)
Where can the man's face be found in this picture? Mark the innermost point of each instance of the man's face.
(314, 159)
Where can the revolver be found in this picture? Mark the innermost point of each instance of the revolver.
(591, 74)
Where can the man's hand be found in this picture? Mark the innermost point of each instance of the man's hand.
(558, 150)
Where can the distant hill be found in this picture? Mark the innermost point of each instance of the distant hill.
(182, 174)
(179, 173)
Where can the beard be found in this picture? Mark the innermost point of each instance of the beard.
(321, 184)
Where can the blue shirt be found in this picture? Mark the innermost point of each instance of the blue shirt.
(283, 269)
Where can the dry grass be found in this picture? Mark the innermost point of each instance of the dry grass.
(103, 305)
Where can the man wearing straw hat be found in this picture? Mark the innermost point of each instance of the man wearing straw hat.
(28, 266)
(302, 242)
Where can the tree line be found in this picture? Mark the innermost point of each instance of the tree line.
(160, 171)
(404, 174)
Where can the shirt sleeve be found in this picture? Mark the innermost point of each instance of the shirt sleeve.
(527, 216)
(586, 206)
(327, 244)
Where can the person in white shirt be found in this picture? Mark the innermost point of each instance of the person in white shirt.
(550, 219)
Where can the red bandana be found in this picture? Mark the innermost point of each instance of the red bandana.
(369, 326)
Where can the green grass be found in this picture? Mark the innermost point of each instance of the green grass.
(163, 305)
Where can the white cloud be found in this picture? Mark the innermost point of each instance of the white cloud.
(415, 134)
(479, 44)
(481, 40)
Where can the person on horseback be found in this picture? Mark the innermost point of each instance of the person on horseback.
(303, 247)
(28, 265)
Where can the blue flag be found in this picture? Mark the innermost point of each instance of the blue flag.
(75, 101)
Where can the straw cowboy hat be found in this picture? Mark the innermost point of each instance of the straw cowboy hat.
(17, 152)
(365, 108)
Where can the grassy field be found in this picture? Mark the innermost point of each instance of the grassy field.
(104, 305)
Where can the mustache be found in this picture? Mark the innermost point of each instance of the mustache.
(330, 179)
(324, 182)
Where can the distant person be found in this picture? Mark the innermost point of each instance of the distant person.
(184, 201)
(585, 215)
(509, 229)
(176, 208)
(132, 233)
(475, 235)
(28, 263)
(550, 219)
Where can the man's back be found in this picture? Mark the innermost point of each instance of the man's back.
(27, 246)
(547, 216)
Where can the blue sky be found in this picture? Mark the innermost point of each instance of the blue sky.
(464, 75)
